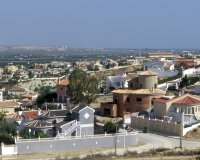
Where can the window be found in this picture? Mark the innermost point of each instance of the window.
(139, 99)
(127, 99)
(140, 85)
(155, 86)
(118, 83)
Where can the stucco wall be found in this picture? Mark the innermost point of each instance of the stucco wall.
(159, 109)
(156, 125)
(59, 145)
(148, 82)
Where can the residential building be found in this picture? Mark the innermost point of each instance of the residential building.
(80, 121)
(116, 82)
(163, 68)
(154, 55)
(17, 91)
(185, 62)
(30, 96)
(173, 107)
(138, 97)
(9, 106)
(61, 90)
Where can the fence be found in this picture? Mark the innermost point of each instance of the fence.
(75, 143)
(156, 125)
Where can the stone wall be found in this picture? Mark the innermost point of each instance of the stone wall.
(156, 125)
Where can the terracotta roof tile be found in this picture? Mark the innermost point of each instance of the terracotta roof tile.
(139, 91)
(64, 82)
(148, 73)
(188, 100)
(31, 114)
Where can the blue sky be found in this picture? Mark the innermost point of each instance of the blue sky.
(101, 23)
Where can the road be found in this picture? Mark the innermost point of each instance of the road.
(158, 141)
(152, 141)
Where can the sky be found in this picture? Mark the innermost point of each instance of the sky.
(160, 24)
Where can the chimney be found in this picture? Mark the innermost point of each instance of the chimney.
(39, 112)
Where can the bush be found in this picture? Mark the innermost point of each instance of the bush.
(169, 79)
(197, 158)
(40, 134)
(6, 138)
(109, 127)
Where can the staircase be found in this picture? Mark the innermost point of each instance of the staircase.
(70, 130)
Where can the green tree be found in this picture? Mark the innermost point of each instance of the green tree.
(185, 81)
(109, 127)
(82, 88)
(40, 134)
(2, 115)
(43, 92)
(30, 74)
(7, 131)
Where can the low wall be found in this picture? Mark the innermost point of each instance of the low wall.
(7, 149)
(76, 143)
(185, 130)
(156, 125)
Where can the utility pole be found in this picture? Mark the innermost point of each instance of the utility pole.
(116, 140)
(181, 130)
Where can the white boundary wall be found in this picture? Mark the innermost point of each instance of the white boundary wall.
(7, 149)
(185, 130)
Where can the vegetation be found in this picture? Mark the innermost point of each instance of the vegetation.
(187, 81)
(110, 127)
(2, 115)
(169, 79)
(43, 92)
(82, 87)
(24, 134)
(7, 132)
(30, 74)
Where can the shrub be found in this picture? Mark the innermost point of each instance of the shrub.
(109, 127)
(6, 138)
(40, 134)
(197, 158)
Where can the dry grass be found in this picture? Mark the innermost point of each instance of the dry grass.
(194, 134)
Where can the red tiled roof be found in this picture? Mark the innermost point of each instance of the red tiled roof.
(188, 100)
(64, 82)
(31, 114)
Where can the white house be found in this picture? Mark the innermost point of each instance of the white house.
(163, 68)
(116, 82)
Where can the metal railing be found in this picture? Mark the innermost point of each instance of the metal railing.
(18, 140)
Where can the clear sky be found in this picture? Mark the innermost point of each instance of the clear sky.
(101, 23)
